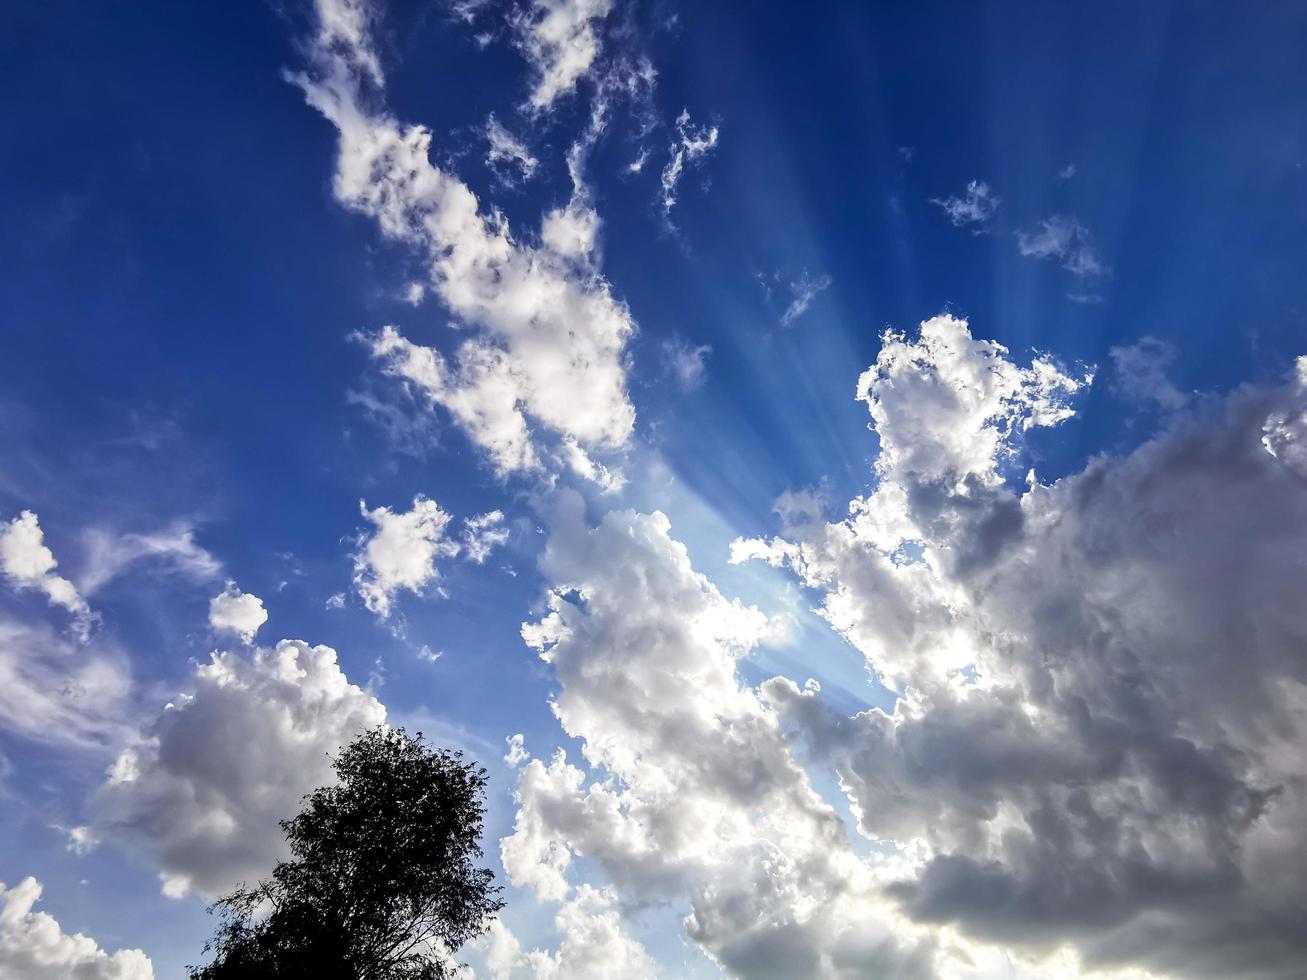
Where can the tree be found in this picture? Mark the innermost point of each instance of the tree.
(382, 873)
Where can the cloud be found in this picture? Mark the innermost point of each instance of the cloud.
(544, 354)
(974, 209)
(684, 362)
(1067, 172)
(28, 563)
(1140, 370)
(234, 611)
(803, 291)
(559, 40)
(61, 692)
(482, 534)
(201, 792)
(1065, 239)
(109, 554)
(690, 145)
(1100, 679)
(34, 947)
(694, 795)
(401, 553)
(508, 157)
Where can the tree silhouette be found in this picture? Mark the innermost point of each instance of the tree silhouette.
(382, 873)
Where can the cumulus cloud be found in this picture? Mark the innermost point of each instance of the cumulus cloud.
(694, 796)
(401, 554)
(690, 145)
(1100, 679)
(28, 563)
(1064, 239)
(1140, 374)
(234, 611)
(544, 355)
(561, 43)
(508, 158)
(974, 209)
(201, 792)
(33, 946)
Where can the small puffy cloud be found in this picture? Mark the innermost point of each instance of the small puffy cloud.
(1140, 374)
(33, 946)
(234, 611)
(508, 157)
(28, 563)
(201, 791)
(517, 753)
(1067, 172)
(802, 292)
(684, 362)
(974, 209)
(1065, 240)
(401, 553)
(689, 146)
(560, 41)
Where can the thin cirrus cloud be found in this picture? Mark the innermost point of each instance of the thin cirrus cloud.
(973, 209)
(690, 145)
(1062, 238)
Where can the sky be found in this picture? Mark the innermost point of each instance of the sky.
(841, 468)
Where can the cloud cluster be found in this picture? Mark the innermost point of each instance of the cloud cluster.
(1101, 680)
(401, 553)
(202, 790)
(34, 947)
(695, 796)
(545, 355)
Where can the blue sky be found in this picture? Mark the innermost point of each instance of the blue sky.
(193, 394)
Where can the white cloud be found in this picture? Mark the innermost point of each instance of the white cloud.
(559, 40)
(802, 292)
(684, 362)
(507, 156)
(1067, 172)
(109, 553)
(482, 534)
(1065, 239)
(545, 353)
(974, 209)
(56, 691)
(34, 947)
(1140, 373)
(690, 145)
(29, 564)
(695, 796)
(401, 553)
(202, 791)
(1075, 759)
(234, 611)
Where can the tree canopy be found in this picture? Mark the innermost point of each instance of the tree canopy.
(382, 882)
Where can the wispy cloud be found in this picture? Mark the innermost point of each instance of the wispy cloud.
(973, 209)
(1064, 239)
